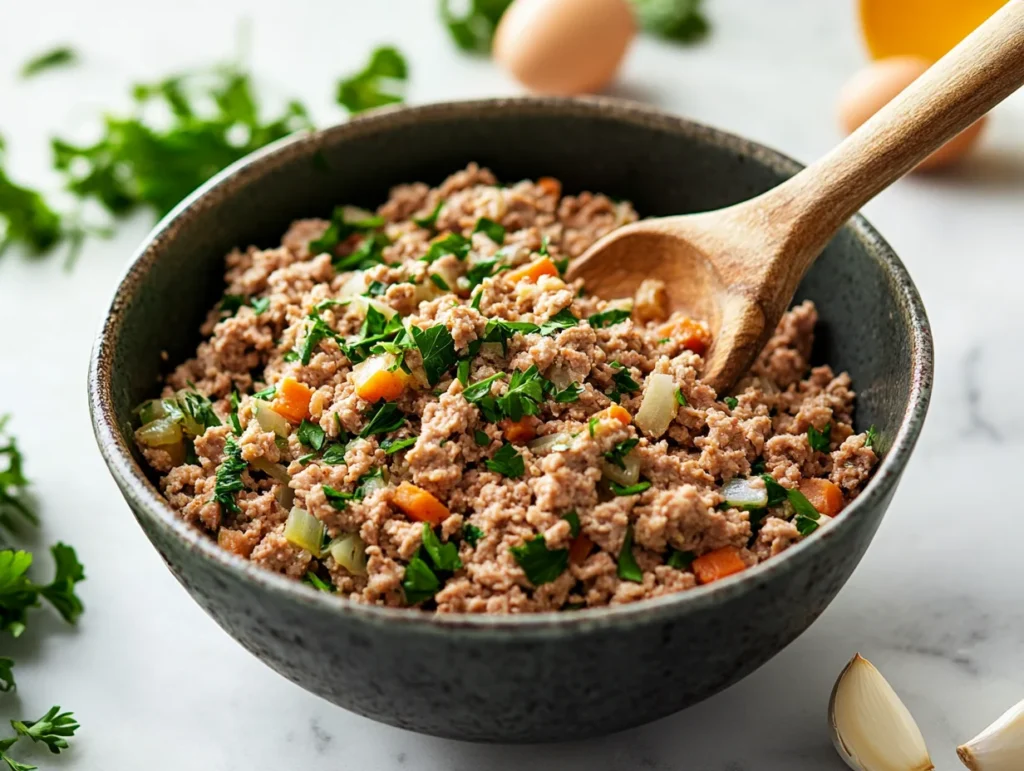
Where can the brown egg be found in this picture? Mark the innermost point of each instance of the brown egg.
(875, 86)
(564, 46)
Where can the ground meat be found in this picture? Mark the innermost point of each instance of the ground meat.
(483, 485)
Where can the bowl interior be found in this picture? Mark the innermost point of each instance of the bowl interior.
(664, 165)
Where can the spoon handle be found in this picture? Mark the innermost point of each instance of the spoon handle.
(985, 68)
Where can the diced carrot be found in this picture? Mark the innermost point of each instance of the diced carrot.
(420, 505)
(825, 496)
(688, 333)
(292, 400)
(580, 549)
(519, 431)
(717, 564)
(616, 411)
(374, 381)
(542, 267)
(550, 186)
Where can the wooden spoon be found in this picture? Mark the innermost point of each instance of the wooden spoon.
(738, 268)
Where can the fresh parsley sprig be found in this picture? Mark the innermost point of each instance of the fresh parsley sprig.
(372, 86)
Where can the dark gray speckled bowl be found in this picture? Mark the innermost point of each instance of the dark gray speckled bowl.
(527, 678)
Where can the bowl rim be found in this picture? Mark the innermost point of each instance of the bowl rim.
(146, 500)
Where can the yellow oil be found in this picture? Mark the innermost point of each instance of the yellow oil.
(927, 28)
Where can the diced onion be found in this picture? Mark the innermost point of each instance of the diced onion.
(270, 420)
(362, 303)
(354, 286)
(349, 551)
(160, 433)
(745, 492)
(552, 442)
(275, 471)
(659, 406)
(192, 426)
(305, 531)
(627, 476)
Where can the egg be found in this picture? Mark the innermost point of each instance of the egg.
(564, 46)
(876, 85)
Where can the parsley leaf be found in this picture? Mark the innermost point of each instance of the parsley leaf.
(311, 435)
(561, 320)
(53, 729)
(616, 456)
(60, 592)
(819, 440)
(524, 395)
(680, 397)
(437, 349)
(501, 331)
(62, 56)
(871, 437)
(366, 89)
(680, 560)
(609, 317)
(450, 243)
(806, 519)
(445, 556)
(391, 446)
(230, 303)
(636, 489)
(622, 382)
(428, 222)
(7, 683)
(317, 583)
(574, 522)
(541, 564)
(419, 583)
(260, 305)
(482, 269)
(776, 492)
(439, 282)
(481, 438)
(337, 498)
(472, 534)
(236, 424)
(340, 228)
(474, 29)
(229, 477)
(507, 461)
(13, 484)
(678, 20)
(197, 410)
(731, 402)
(491, 229)
(386, 419)
(570, 393)
(26, 218)
(591, 425)
(628, 570)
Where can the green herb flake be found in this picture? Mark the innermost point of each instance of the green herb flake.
(236, 424)
(230, 303)
(819, 440)
(540, 564)
(62, 56)
(608, 318)
(419, 583)
(334, 455)
(430, 221)
(437, 348)
(311, 435)
(260, 305)
(680, 560)
(481, 438)
(776, 492)
(731, 402)
(680, 397)
(473, 28)
(373, 85)
(439, 282)
(445, 556)
(591, 425)
(524, 395)
(574, 522)
(570, 393)
(871, 437)
(385, 419)
(338, 498)
(617, 455)
(391, 446)
(317, 583)
(491, 229)
(229, 477)
(628, 570)
(450, 243)
(636, 489)
(507, 461)
(681, 21)
(564, 319)
(472, 534)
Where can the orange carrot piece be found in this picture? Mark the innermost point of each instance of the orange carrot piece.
(374, 382)
(292, 400)
(616, 411)
(550, 186)
(718, 564)
(580, 549)
(519, 431)
(542, 267)
(688, 333)
(825, 496)
(420, 505)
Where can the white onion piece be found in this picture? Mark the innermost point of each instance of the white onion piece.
(275, 471)
(745, 492)
(354, 286)
(627, 476)
(305, 531)
(349, 551)
(361, 304)
(270, 420)
(659, 406)
(559, 442)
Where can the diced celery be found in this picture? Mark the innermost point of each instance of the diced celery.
(305, 531)
(160, 433)
(270, 420)
(624, 476)
(349, 551)
(749, 493)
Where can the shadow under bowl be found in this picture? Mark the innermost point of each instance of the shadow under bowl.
(509, 678)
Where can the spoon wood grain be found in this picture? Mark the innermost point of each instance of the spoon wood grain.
(738, 268)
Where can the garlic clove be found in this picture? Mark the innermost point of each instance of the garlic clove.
(871, 728)
(1000, 747)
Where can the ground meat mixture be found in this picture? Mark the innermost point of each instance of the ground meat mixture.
(412, 407)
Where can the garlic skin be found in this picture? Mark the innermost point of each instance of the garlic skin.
(1000, 747)
(872, 730)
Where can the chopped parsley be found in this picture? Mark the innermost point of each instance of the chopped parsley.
(622, 382)
(437, 349)
(871, 437)
(481, 438)
(472, 534)
(524, 395)
(260, 305)
(428, 222)
(317, 583)
(55, 58)
(419, 583)
(462, 371)
(197, 409)
(664, 340)
(311, 435)
(680, 560)
(507, 461)
(731, 402)
(776, 492)
(316, 332)
(609, 317)
(561, 320)
(236, 425)
(501, 331)
(628, 570)
(570, 393)
(680, 397)
(591, 425)
(229, 477)
(334, 455)
(375, 289)
(819, 440)
(391, 446)
(482, 269)
(340, 228)
(386, 419)
(574, 522)
(369, 253)
(473, 28)
(681, 21)
(439, 282)
(541, 564)
(305, 459)
(491, 229)
(445, 556)
(636, 489)
(450, 243)
(806, 519)
(230, 303)
(373, 85)
(616, 456)
(337, 498)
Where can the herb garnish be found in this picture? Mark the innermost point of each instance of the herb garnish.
(317, 583)
(337, 498)
(524, 395)
(229, 477)
(428, 222)
(507, 461)
(472, 534)
(636, 489)
(437, 349)
(628, 570)
(609, 317)
(236, 425)
(482, 269)
(616, 456)
(311, 435)
(334, 455)
(439, 282)
(340, 229)
(474, 29)
(679, 20)
(621, 382)
(680, 560)
(386, 419)
(871, 436)
(806, 519)
(680, 397)
(574, 522)
(419, 583)
(819, 440)
(541, 564)
(62, 56)
(501, 331)
(491, 229)
(391, 446)
(260, 305)
(570, 393)
(561, 320)
(198, 409)
(366, 89)
(450, 243)
(481, 438)
(445, 556)
(731, 402)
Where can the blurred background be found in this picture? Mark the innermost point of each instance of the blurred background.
(935, 603)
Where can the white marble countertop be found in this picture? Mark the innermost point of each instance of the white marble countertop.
(157, 685)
